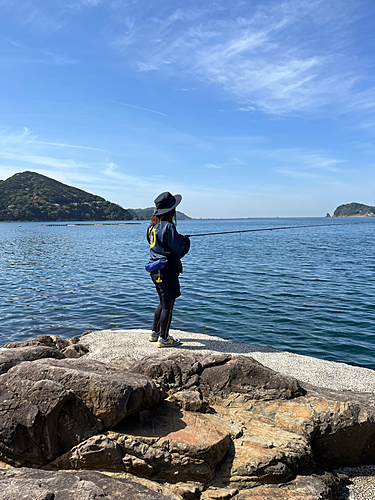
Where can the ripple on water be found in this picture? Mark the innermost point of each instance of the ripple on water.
(310, 291)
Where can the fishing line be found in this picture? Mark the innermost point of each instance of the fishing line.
(273, 229)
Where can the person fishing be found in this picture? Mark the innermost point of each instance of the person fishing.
(167, 247)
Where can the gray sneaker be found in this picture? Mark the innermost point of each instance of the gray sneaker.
(168, 342)
(153, 337)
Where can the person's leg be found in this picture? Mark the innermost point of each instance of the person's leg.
(156, 323)
(166, 317)
(168, 287)
(157, 315)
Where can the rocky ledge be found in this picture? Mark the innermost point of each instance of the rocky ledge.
(181, 426)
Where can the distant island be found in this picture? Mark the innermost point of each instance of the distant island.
(32, 197)
(354, 210)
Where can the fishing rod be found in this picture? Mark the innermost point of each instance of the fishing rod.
(267, 229)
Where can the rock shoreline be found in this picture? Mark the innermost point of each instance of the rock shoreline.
(206, 421)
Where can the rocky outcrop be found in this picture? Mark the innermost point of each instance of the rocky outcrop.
(48, 406)
(163, 443)
(219, 376)
(315, 487)
(45, 485)
(229, 428)
(354, 210)
(12, 357)
(71, 348)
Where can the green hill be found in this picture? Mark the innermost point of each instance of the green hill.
(146, 213)
(354, 210)
(29, 197)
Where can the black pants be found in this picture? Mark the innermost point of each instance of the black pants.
(163, 318)
(168, 288)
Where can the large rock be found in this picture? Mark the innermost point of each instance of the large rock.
(344, 430)
(340, 426)
(163, 443)
(302, 488)
(219, 376)
(12, 357)
(109, 394)
(265, 454)
(71, 348)
(48, 406)
(265, 435)
(41, 419)
(244, 375)
(45, 485)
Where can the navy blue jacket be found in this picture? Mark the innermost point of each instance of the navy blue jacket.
(166, 243)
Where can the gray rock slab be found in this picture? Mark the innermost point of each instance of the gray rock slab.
(218, 375)
(14, 356)
(45, 485)
(108, 393)
(47, 406)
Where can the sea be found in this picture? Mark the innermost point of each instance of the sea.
(304, 285)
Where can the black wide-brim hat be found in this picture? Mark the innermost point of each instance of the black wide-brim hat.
(166, 202)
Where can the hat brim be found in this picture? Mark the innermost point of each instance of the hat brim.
(162, 211)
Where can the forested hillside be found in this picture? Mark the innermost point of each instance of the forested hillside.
(29, 196)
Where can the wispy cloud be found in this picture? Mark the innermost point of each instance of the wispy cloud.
(232, 162)
(271, 57)
(43, 160)
(303, 158)
(212, 165)
(26, 137)
(32, 15)
(63, 145)
(139, 107)
(305, 176)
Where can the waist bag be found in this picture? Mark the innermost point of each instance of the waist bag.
(156, 265)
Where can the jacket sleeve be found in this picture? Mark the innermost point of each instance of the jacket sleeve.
(177, 244)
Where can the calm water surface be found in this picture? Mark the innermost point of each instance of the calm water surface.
(306, 290)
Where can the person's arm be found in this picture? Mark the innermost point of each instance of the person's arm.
(177, 243)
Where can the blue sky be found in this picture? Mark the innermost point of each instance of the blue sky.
(246, 108)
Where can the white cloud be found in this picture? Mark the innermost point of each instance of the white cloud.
(212, 165)
(299, 175)
(237, 161)
(43, 160)
(279, 57)
(303, 158)
(146, 67)
(26, 137)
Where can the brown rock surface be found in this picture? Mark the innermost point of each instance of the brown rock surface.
(302, 488)
(190, 401)
(265, 454)
(340, 426)
(166, 443)
(265, 435)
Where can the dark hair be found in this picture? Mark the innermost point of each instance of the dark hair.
(168, 216)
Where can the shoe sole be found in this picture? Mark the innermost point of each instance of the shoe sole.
(152, 339)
